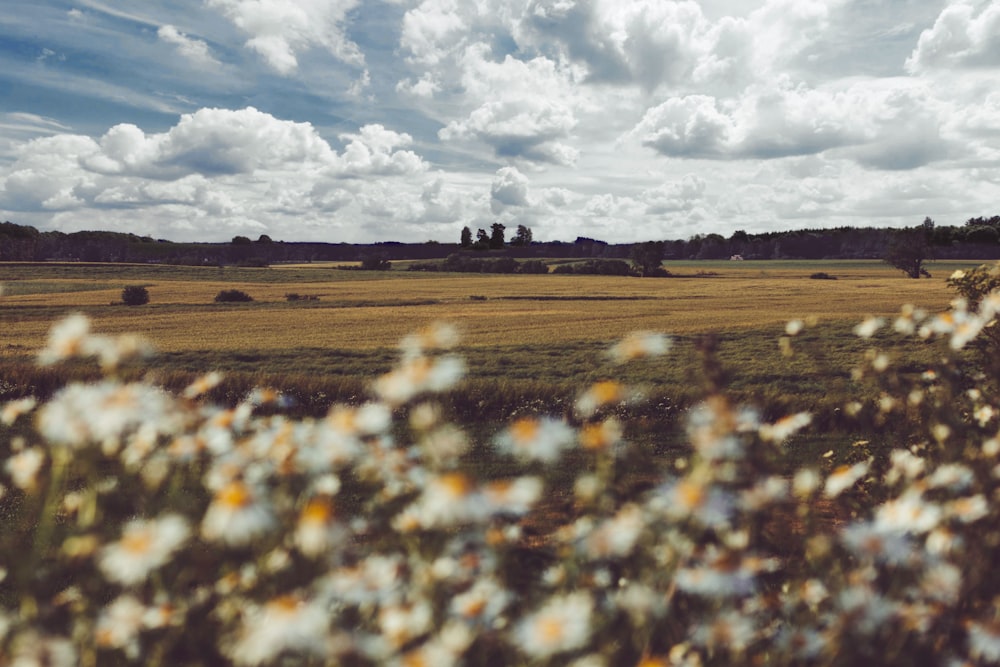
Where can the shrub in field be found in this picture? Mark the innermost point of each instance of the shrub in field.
(143, 526)
(822, 275)
(295, 296)
(135, 295)
(232, 295)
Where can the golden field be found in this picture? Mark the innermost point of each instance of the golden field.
(363, 310)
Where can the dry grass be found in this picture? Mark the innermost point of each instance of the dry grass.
(521, 310)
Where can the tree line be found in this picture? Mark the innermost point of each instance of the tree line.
(978, 238)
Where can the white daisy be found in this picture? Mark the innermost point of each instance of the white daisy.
(286, 623)
(144, 546)
(236, 515)
(562, 624)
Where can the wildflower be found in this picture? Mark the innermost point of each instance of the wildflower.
(984, 640)
(713, 427)
(402, 622)
(24, 466)
(863, 609)
(367, 419)
(444, 444)
(905, 465)
(844, 478)
(481, 604)
(106, 412)
(449, 499)
(766, 492)
(600, 394)
(615, 537)
(285, 623)
(437, 336)
(638, 345)
(794, 327)
(376, 580)
(317, 531)
(202, 385)
(689, 498)
(786, 427)
(119, 625)
(515, 496)
(68, 338)
(952, 476)
(868, 327)
(805, 481)
(536, 438)
(418, 375)
(30, 649)
(869, 541)
(236, 516)
(968, 510)
(602, 435)
(730, 630)
(908, 513)
(144, 546)
(942, 582)
(562, 624)
(14, 409)
(720, 575)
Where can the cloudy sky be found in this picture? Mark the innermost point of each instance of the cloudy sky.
(368, 120)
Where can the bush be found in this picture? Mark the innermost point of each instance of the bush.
(295, 296)
(820, 275)
(232, 296)
(135, 295)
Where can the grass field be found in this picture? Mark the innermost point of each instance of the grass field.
(525, 337)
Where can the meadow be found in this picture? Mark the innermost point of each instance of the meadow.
(525, 337)
(802, 472)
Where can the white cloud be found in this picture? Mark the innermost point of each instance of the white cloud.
(194, 50)
(280, 29)
(681, 195)
(370, 153)
(881, 124)
(244, 169)
(965, 34)
(521, 114)
(510, 188)
(211, 142)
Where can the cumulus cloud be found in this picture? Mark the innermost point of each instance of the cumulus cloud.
(370, 152)
(690, 126)
(280, 30)
(244, 169)
(194, 50)
(965, 34)
(510, 188)
(521, 114)
(681, 195)
(895, 125)
(211, 142)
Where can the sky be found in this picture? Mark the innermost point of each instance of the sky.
(406, 120)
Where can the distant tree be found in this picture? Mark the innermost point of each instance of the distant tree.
(375, 263)
(241, 240)
(466, 237)
(232, 296)
(648, 258)
(496, 236)
(908, 249)
(135, 295)
(482, 240)
(264, 238)
(522, 237)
